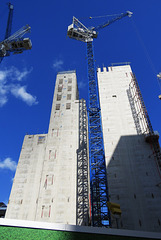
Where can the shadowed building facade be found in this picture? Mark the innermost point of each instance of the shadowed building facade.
(132, 152)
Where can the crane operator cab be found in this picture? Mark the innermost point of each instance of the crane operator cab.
(79, 32)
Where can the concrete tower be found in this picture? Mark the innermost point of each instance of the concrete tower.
(50, 183)
(132, 152)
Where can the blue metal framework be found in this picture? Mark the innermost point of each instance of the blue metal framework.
(9, 22)
(98, 176)
(9, 27)
(112, 20)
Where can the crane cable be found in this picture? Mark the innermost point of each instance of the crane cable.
(146, 52)
(112, 15)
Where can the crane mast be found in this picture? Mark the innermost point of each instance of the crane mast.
(9, 21)
(98, 176)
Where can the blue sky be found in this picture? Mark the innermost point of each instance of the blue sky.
(27, 80)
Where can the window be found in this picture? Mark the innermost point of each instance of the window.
(58, 97)
(69, 96)
(42, 211)
(69, 88)
(49, 211)
(59, 88)
(69, 80)
(60, 81)
(57, 107)
(68, 105)
(41, 139)
(30, 136)
(50, 153)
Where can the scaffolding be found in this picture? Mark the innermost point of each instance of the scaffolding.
(142, 120)
(82, 168)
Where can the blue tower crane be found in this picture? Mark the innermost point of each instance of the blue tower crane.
(98, 177)
(14, 43)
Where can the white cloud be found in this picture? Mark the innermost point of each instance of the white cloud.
(8, 163)
(3, 100)
(17, 75)
(3, 89)
(2, 75)
(58, 64)
(20, 92)
(8, 78)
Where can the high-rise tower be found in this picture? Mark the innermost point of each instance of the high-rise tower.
(50, 182)
(132, 152)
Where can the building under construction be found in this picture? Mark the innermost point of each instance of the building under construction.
(132, 152)
(48, 182)
(52, 178)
